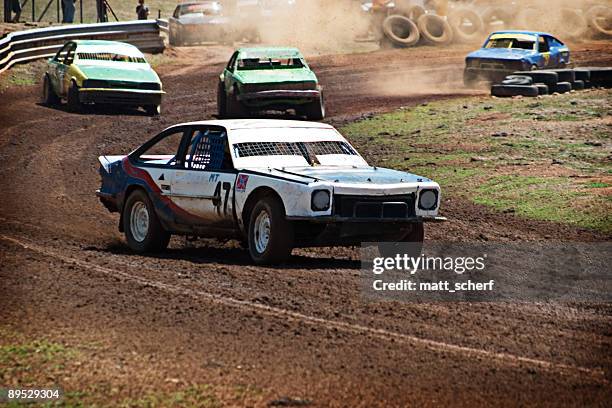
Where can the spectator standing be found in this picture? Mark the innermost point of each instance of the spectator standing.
(142, 11)
(68, 10)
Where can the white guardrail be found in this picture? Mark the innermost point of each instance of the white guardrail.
(23, 46)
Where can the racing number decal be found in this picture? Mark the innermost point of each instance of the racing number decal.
(218, 200)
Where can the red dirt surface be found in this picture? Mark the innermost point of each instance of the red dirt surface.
(205, 315)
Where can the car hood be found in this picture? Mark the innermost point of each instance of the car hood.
(120, 73)
(343, 175)
(261, 76)
(501, 53)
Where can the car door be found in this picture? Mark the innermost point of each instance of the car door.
(63, 68)
(544, 52)
(553, 52)
(159, 159)
(204, 185)
(228, 72)
(57, 70)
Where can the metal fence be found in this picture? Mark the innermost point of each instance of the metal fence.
(24, 46)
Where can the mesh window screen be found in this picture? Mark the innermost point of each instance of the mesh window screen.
(207, 150)
(292, 149)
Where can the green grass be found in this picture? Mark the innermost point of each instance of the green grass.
(482, 149)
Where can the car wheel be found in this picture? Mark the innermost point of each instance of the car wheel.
(221, 101)
(50, 98)
(411, 244)
(234, 108)
(175, 39)
(73, 102)
(270, 234)
(315, 110)
(153, 110)
(143, 231)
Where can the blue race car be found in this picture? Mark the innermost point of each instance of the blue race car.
(505, 52)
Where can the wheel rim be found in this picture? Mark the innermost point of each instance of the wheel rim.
(261, 232)
(139, 221)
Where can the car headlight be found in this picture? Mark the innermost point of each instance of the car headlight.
(320, 200)
(428, 200)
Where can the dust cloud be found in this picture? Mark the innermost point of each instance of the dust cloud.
(316, 26)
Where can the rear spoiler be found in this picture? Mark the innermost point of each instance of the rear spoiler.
(107, 161)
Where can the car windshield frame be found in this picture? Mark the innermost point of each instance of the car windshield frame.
(510, 43)
(207, 9)
(257, 63)
(109, 57)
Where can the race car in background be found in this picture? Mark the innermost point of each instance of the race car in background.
(505, 52)
(101, 72)
(198, 21)
(257, 79)
(274, 184)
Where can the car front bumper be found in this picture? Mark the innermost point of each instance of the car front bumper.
(135, 97)
(341, 231)
(289, 97)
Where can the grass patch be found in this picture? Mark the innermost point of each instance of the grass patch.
(493, 151)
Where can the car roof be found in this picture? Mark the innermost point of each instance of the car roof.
(103, 46)
(235, 124)
(521, 32)
(272, 51)
(101, 42)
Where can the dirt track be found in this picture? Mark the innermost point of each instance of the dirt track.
(205, 315)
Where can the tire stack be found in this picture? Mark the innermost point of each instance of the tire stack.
(558, 81)
(410, 24)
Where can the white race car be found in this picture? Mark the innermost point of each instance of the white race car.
(273, 184)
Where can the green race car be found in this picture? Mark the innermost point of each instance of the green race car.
(257, 79)
(101, 72)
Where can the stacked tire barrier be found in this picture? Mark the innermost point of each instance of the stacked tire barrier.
(558, 81)
(23, 46)
(409, 25)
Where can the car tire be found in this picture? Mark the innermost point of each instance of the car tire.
(549, 78)
(582, 74)
(566, 75)
(221, 101)
(270, 235)
(411, 244)
(597, 17)
(518, 80)
(50, 98)
(578, 85)
(153, 110)
(73, 103)
(401, 31)
(514, 90)
(435, 30)
(175, 40)
(314, 110)
(493, 16)
(143, 231)
(542, 89)
(408, 10)
(561, 87)
(462, 33)
(234, 108)
(601, 77)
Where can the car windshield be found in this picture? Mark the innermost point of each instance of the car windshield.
(109, 56)
(515, 43)
(245, 64)
(209, 9)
